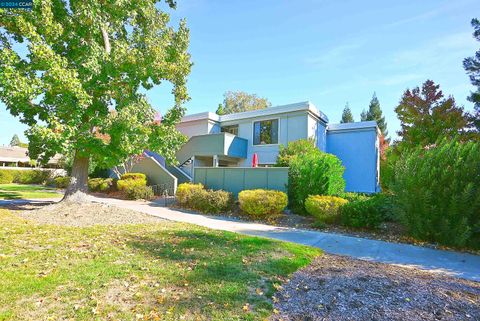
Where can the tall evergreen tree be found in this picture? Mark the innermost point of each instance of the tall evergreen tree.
(347, 116)
(15, 141)
(375, 113)
(364, 115)
(426, 116)
(472, 66)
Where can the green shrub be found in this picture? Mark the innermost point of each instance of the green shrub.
(365, 212)
(437, 191)
(134, 176)
(325, 209)
(101, 185)
(316, 173)
(32, 176)
(6, 176)
(350, 196)
(260, 203)
(126, 184)
(185, 192)
(130, 180)
(387, 167)
(138, 192)
(196, 197)
(62, 181)
(293, 149)
(29, 176)
(210, 201)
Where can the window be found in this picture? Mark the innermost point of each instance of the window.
(265, 132)
(230, 129)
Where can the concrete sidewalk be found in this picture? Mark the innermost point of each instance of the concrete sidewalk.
(452, 263)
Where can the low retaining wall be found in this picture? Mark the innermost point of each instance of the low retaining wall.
(236, 179)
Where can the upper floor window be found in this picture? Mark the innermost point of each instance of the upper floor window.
(230, 129)
(265, 132)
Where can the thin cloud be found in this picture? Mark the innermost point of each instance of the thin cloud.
(444, 7)
(335, 56)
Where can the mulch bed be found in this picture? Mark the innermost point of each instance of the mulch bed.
(86, 214)
(340, 288)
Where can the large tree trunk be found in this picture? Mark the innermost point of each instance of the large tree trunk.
(79, 176)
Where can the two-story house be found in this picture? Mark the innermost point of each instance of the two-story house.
(232, 140)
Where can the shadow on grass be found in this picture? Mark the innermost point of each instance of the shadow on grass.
(10, 195)
(226, 266)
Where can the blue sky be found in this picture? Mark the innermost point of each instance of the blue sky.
(328, 52)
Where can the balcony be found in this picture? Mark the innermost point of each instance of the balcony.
(221, 144)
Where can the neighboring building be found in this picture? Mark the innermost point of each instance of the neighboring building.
(15, 156)
(232, 140)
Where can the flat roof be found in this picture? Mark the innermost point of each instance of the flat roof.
(353, 126)
(306, 105)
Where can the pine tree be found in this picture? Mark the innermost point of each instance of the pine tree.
(220, 111)
(347, 116)
(364, 115)
(472, 66)
(375, 113)
(15, 141)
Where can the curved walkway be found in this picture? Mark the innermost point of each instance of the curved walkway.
(452, 263)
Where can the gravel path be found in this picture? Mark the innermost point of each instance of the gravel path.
(87, 214)
(340, 288)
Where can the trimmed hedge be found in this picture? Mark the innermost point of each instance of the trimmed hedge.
(130, 180)
(62, 181)
(437, 191)
(135, 176)
(195, 196)
(326, 209)
(101, 185)
(140, 192)
(185, 193)
(365, 212)
(6, 176)
(260, 203)
(316, 173)
(33, 176)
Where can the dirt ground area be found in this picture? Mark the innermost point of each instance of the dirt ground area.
(340, 288)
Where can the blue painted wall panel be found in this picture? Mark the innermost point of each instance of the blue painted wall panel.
(236, 179)
(358, 151)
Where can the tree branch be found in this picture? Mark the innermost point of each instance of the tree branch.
(106, 40)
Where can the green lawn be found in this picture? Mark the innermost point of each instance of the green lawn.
(165, 271)
(19, 191)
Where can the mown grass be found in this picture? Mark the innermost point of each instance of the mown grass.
(166, 271)
(21, 191)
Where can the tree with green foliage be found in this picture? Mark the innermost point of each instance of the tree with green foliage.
(80, 85)
(15, 141)
(375, 113)
(293, 149)
(426, 116)
(347, 116)
(239, 101)
(472, 66)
